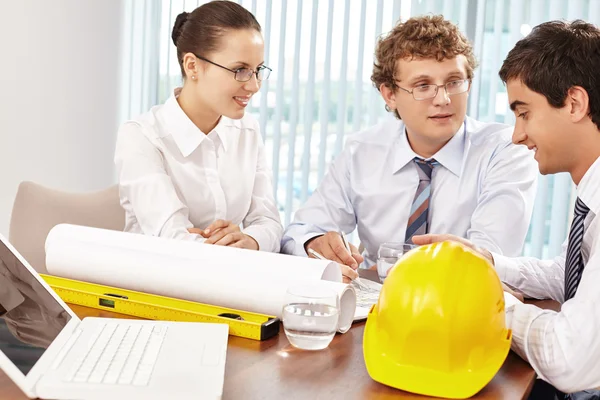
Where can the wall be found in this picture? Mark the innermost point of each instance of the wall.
(59, 92)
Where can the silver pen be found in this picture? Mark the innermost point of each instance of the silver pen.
(347, 246)
(316, 254)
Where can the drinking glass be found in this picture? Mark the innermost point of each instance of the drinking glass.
(310, 316)
(388, 254)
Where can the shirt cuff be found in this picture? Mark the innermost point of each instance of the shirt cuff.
(296, 245)
(262, 237)
(507, 269)
(527, 323)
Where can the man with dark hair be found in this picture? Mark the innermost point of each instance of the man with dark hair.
(553, 82)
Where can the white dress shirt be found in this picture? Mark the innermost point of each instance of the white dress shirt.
(483, 190)
(173, 177)
(562, 347)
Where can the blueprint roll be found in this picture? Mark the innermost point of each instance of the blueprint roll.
(243, 279)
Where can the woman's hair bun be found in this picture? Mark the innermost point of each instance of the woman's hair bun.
(178, 26)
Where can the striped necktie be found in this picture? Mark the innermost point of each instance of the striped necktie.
(417, 221)
(574, 264)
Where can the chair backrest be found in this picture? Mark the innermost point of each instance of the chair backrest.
(38, 209)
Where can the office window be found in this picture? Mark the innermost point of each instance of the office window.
(321, 52)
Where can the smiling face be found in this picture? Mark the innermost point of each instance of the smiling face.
(430, 123)
(210, 88)
(217, 87)
(547, 130)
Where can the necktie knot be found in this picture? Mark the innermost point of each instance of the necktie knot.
(581, 209)
(425, 167)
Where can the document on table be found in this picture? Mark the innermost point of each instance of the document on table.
(366, 296)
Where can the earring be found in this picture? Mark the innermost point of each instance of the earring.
(194, 77)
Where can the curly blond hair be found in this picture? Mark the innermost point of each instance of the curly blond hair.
(429, 36)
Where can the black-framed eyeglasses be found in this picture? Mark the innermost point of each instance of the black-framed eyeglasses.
(426, 92)
(244, 74)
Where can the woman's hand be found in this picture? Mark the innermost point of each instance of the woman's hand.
(224, 233)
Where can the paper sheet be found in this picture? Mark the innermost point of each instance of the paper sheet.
(510, 300)
(248, 280)
(366, 296)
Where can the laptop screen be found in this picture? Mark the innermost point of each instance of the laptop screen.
(30, 318)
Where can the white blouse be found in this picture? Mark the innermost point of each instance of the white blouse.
(173, 177)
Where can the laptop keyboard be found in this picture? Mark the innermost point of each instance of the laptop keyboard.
(120, 354)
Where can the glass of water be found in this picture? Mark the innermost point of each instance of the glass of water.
(388, 254)
(310, 316)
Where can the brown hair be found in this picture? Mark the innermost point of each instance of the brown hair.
(556, 56)
(429, 36)
(199, 32)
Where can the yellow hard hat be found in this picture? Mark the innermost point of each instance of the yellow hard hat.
(438, 328)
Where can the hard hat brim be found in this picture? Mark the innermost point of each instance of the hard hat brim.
(454, 384)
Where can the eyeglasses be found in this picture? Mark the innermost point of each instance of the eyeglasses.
(426, 92)
(244, 74)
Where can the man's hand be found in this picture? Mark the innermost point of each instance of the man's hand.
(433, 238)
(224, 233)
(332, 248)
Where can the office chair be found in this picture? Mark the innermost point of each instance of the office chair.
(38, 209)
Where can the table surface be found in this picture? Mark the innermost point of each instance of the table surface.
(273, 369)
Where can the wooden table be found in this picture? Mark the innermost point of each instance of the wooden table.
(273, 369)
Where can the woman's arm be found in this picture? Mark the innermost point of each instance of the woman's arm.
(147, 189)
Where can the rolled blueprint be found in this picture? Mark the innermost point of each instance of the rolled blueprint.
(243, 279)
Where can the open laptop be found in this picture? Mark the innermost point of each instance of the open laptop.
(50, 353)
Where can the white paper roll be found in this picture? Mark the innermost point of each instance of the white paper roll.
(347, 297)
(248, 280)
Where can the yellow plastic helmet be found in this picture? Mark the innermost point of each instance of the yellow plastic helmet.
(438, 328)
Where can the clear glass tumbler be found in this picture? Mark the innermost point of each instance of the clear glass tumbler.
(310, 316)
(388, 254)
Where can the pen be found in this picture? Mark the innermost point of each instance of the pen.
(347, 246)
(316, 254)
(320, 257)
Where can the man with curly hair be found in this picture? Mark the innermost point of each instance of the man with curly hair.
(430, 169)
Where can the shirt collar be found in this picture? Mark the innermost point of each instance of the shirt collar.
(187, 136)
(588, 189)
(224, 128)
(450, 156)
(404, 154)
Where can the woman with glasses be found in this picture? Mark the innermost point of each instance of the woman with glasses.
(194, 167)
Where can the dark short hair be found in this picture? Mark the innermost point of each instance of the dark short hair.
(199, 32)
(556, 56)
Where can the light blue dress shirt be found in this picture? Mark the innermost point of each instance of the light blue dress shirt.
(483, 190)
